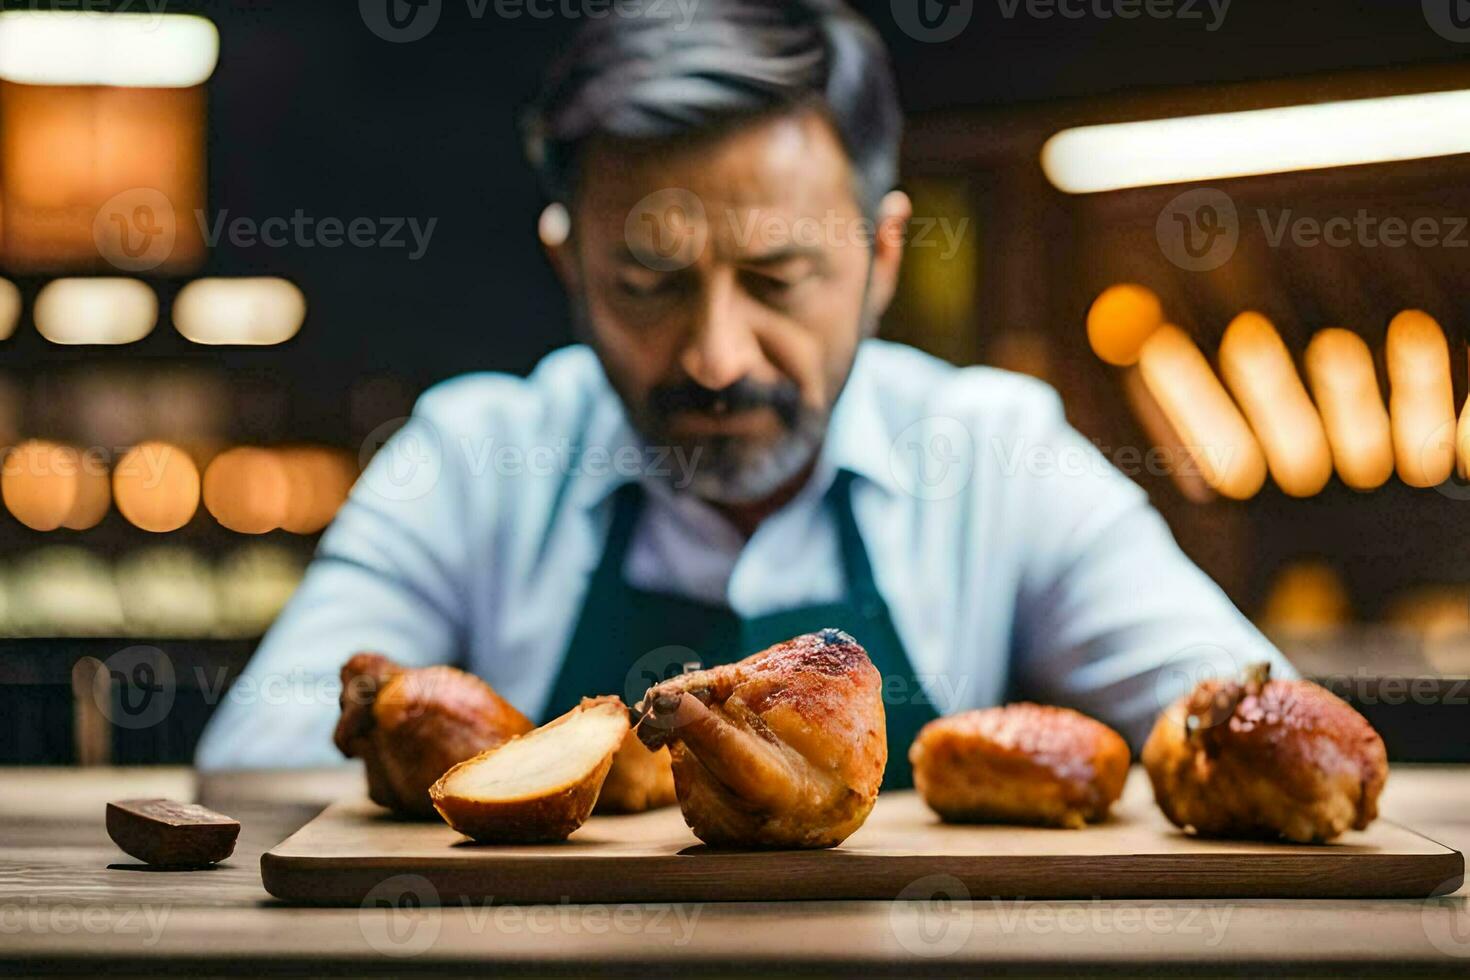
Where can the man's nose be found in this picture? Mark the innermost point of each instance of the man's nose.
(722, 346)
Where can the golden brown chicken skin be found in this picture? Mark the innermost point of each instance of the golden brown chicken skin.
(785, 748)
(1262, 758)
(1020, 763)
(639, 780)
(409, 726)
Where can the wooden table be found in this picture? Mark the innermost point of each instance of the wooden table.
(70, 902)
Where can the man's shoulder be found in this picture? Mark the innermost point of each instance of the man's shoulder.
(558, 399)
(911, 385)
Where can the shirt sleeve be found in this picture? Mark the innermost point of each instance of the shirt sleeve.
(388, 577)
(1112, 617)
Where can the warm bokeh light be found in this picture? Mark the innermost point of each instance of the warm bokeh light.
(320, 479)
(1345, 387)
(1202, 413)
(1161, 434)
(1259, 372)
(1260, 141)
(104, 310)
(156, 486)
(62, 590)
(102, 150)
(167, 590)
(94, 491)
(1307, 596)
(254, 583)
(259, 310)
(1421, 403)
(247, 490)
(87, 47)
(9, 308)
(39, 483)
(1120, 320)
(298, 489)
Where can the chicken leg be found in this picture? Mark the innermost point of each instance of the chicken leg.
(785, 748)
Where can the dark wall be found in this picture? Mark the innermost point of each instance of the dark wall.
(311, 110)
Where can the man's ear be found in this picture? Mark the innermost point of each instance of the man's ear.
(554, 228)
(890, 231)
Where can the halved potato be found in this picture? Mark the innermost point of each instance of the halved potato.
(539, 786)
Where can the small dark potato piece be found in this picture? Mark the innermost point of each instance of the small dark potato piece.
(168, 833)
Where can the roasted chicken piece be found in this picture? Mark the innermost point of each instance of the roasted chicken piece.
(785, 748)
(1021, 763)
(639, 780)
(1264, 759)
(410, 725)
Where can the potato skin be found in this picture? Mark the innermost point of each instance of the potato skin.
(535, 820)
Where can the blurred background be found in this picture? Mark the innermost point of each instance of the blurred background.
(238, 243)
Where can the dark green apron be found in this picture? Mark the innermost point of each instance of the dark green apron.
(628, 639)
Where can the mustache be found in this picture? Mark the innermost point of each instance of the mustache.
(782, 397)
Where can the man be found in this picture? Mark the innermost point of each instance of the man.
(731, 459)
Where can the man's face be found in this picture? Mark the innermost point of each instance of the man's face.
(725, 284)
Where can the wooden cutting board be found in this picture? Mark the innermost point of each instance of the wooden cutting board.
(353, 848)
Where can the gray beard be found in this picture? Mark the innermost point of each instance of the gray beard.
(728, 472)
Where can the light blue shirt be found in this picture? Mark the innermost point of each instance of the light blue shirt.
(1014, 558)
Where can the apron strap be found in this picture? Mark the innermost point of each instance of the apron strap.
(627, 507)
(862, 587)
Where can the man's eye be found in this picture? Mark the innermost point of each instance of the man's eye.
(763, 284)
(646, 285)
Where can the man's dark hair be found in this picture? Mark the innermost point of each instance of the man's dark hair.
(651, 76)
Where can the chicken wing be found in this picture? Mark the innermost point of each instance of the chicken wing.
(785, 748)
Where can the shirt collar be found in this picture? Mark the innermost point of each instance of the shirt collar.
(858, 441)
